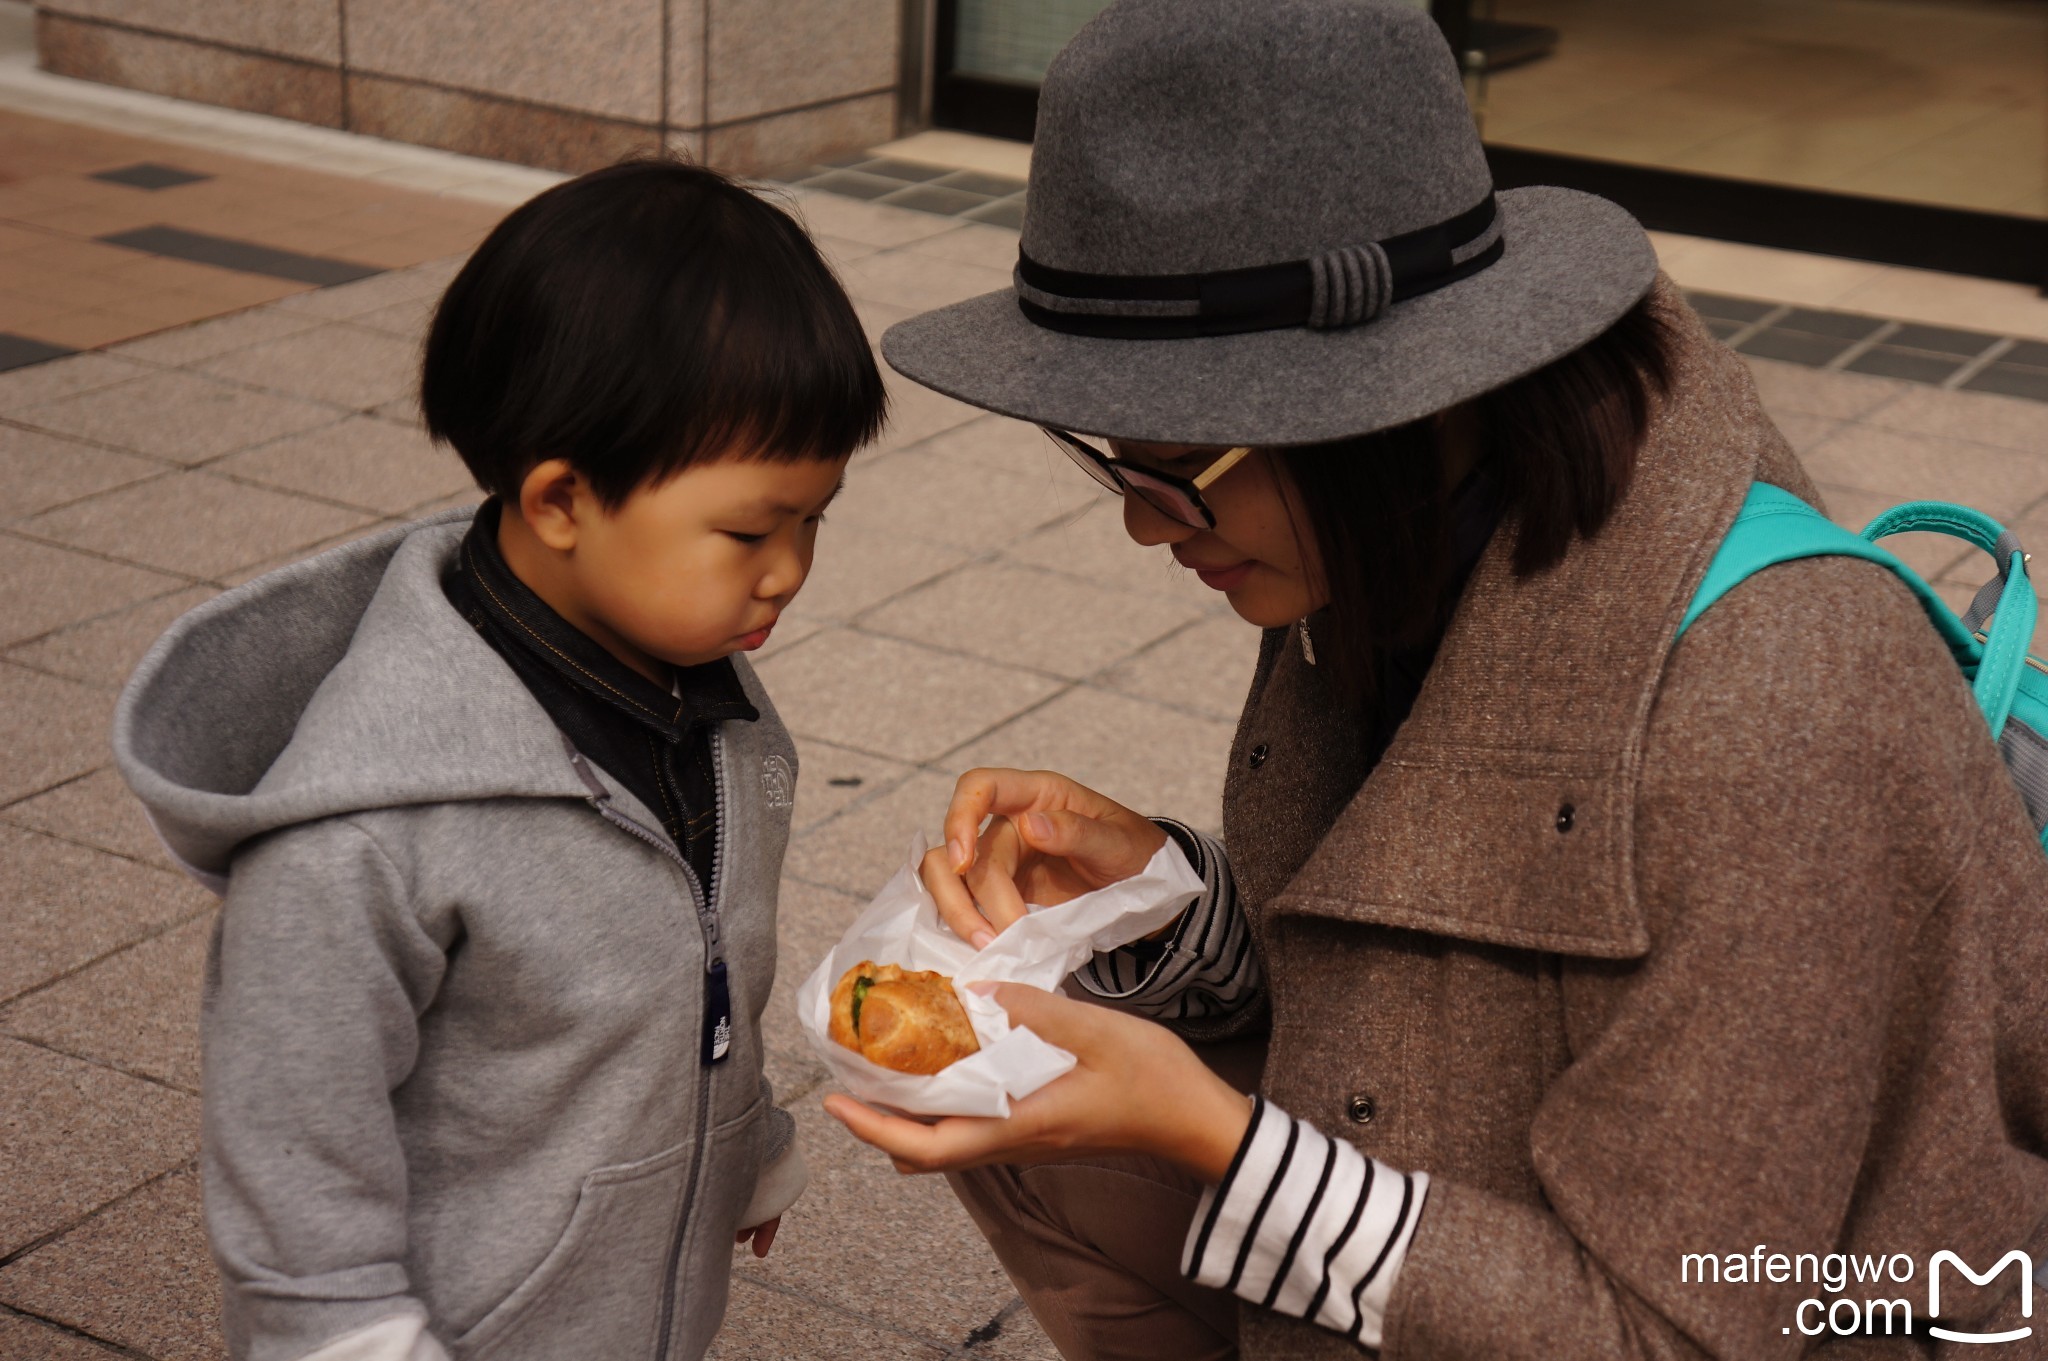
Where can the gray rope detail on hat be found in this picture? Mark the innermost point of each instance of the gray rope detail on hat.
(1349, 285)
(1483, 241)
(1104, 307)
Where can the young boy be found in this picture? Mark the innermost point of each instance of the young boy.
(499, 815)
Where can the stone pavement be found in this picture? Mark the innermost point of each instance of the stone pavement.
(974, 601)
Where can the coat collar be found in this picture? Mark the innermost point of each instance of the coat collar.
(1540, 698)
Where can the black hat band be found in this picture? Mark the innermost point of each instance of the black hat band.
(1338, 288)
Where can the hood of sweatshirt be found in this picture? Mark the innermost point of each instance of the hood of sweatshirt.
(340, 684)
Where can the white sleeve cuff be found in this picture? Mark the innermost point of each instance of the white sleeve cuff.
(781, 1182)
(403, 1337)
(1307, 1226)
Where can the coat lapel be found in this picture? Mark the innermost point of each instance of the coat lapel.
(1503, 812)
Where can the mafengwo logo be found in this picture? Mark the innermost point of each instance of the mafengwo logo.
(1872, 1316)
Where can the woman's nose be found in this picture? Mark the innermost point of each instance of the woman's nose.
(1147, 526)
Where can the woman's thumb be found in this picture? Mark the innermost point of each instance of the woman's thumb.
(1088, 841)
(1044, 1014)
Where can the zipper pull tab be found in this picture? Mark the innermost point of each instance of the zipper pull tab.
(599, 795)
(717, 1014)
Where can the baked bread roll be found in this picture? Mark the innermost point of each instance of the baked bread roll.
(908, 1020)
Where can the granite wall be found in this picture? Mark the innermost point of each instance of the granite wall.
(746, 85)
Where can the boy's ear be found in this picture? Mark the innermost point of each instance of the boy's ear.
(551, 497)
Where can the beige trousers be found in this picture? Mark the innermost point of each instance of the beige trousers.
(1093, 1245)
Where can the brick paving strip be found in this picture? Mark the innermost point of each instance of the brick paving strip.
(105, 236)
(975, 602)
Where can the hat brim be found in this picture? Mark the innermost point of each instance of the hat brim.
(1572, 265)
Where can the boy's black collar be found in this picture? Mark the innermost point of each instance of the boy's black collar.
(708, 693)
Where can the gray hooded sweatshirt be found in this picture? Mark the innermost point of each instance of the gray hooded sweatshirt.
(453, 1014)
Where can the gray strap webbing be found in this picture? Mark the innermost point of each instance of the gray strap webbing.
(1985, 603)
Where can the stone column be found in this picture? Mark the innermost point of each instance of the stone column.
(746, 85)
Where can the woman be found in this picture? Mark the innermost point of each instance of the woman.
(1582, 958)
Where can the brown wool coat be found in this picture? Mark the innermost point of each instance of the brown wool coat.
(1784, 979)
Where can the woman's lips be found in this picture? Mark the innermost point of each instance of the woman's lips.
(1225, 578)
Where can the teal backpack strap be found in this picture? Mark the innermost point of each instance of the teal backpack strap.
(2008, 598)
(1775, 526)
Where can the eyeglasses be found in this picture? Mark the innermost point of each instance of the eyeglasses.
(1177, 498)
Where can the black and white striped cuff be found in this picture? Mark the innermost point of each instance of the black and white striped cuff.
(1307, 1226)
(1207, 968)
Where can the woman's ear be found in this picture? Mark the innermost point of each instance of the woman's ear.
(551, 499)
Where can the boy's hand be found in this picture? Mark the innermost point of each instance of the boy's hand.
(762, 1236)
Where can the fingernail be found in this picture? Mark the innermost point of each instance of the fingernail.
(981, 940)
(1040, 825)
(962, 857)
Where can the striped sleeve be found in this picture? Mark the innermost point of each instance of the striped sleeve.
(1205, 969)
(1307, 1226)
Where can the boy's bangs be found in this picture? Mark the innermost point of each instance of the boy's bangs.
(787, 373)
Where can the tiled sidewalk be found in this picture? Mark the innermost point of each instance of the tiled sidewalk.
(974, 601)
(105, 237)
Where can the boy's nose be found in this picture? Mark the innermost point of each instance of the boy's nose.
(783, 578)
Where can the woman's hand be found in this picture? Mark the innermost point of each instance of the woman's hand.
(1050, 839)
(1137, 1089)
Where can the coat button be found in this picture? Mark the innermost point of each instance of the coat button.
(1565, 817)
(1258, 756)
(1361, 1109)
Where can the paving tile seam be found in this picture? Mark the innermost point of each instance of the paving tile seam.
(805, 1090)
(1869, 419)
(742, 1273)
(12, 419)
(112, 1348)
(67, 781)
(959, 654)
(17, 415)
(145, 938)
(19, 530)
(136, 1074)
(29, 1249)
(1092, 680)
(299, 493)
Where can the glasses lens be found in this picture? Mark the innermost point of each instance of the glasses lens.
(1175, 503)
(1092, 463)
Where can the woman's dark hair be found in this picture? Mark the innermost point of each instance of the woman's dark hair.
(1560, 445)
(640, 319)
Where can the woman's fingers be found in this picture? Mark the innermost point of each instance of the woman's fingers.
(993, 880)
(955, 902)
(1001, 791)
(911, 1146)
(981, 904)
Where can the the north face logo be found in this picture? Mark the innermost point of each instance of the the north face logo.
(778, 782)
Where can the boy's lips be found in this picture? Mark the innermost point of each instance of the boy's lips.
(750, 641)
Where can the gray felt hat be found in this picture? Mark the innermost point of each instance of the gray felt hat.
(1270, 223)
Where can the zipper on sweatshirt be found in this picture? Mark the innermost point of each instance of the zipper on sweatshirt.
(715, 988)
(719, 877)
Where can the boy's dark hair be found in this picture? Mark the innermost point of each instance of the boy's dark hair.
(1561, 442)
(640, 319)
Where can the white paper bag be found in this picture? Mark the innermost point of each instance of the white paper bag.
(901, 926)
